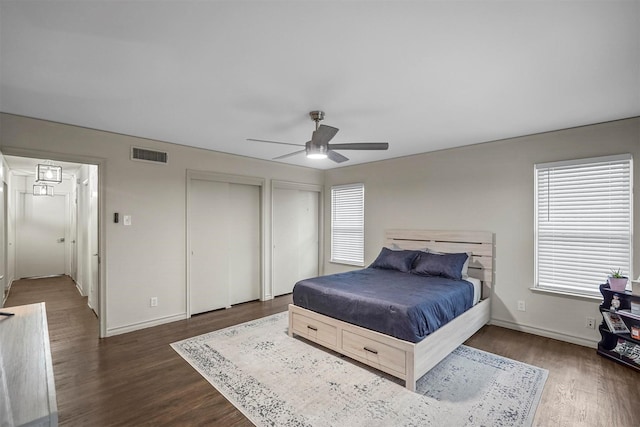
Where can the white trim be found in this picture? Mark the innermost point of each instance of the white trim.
(146, 324)
(585, 161)
(585, 297)
(585, 342)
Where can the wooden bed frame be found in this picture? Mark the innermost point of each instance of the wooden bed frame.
(403, 359)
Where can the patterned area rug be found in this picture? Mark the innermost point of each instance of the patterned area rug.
(276, 380)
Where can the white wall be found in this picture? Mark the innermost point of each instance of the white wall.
(148, 258)
(489, 187)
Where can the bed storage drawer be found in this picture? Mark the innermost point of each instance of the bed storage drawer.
(315, 330)
(376, 354)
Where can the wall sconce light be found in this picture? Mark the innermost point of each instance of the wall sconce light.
(42, 190)
(49, 173)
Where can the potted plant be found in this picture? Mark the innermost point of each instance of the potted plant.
(617, 282)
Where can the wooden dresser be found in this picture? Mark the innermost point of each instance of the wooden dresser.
(27, 390)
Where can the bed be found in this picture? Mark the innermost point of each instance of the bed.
(379, 334)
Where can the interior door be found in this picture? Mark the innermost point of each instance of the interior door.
(40, 231)
(4, 279)
(295, 237)
(93, 239)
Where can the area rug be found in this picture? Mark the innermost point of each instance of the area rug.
(275, 380)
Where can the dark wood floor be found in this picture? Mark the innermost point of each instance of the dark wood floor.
(136, 379)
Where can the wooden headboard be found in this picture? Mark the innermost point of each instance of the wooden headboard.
(479, 243)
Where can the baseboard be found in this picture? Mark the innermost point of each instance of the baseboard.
(146, 324)
(78, 287)
(545, 333)
(8, 291)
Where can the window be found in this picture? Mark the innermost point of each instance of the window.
(583, 223)
(347, 224)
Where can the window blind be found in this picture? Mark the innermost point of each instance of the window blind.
(347, 224)
(583, 223)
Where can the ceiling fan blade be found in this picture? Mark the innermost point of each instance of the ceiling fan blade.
(336, 157)
(275, 142)
(323, 134)
(360, 146)
(284, 156)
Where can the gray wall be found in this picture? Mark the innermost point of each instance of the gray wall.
(149, 257)
(482, 187)
(489, 187)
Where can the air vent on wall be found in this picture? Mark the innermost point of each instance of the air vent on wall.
(142, 154)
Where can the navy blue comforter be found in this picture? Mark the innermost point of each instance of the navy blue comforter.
(403, 305)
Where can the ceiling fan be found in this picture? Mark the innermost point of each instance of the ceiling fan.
(319, 147)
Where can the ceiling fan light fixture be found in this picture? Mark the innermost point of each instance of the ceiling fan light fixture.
(316, 156)
(316, 152)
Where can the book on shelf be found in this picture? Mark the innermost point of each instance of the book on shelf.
(628, 350)
(615, 323)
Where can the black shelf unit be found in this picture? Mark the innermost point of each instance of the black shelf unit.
(619, 347)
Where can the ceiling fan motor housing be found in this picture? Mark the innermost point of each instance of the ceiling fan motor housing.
(316, 116)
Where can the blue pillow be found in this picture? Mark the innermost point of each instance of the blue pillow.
(445, 265)
(395, 260)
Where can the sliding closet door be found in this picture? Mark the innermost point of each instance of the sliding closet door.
(244, 243)
(209, 266)
(225, 244)
(295, 236)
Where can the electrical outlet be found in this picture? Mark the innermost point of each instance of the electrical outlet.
(590, 323)
(521, 306)
(153, 302)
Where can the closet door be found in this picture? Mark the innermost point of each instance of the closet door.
(244, 243)
(295, 237)
(225, 237)
(209, 273)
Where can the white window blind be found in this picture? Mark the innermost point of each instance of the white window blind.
(583, 223)
(347, 224)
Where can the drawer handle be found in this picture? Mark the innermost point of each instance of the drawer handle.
(313, 328)
(370, 350)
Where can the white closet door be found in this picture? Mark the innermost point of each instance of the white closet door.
(244, 243)
(224, 230)
(209, 266)
(295, 237)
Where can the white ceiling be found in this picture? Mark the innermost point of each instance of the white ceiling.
(421, 75)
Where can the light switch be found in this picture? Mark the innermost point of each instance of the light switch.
(126, 219)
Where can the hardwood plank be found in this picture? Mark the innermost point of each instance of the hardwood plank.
(137, 379)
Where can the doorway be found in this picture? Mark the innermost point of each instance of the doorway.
(55, 232)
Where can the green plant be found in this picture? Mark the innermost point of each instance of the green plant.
(617, 274)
